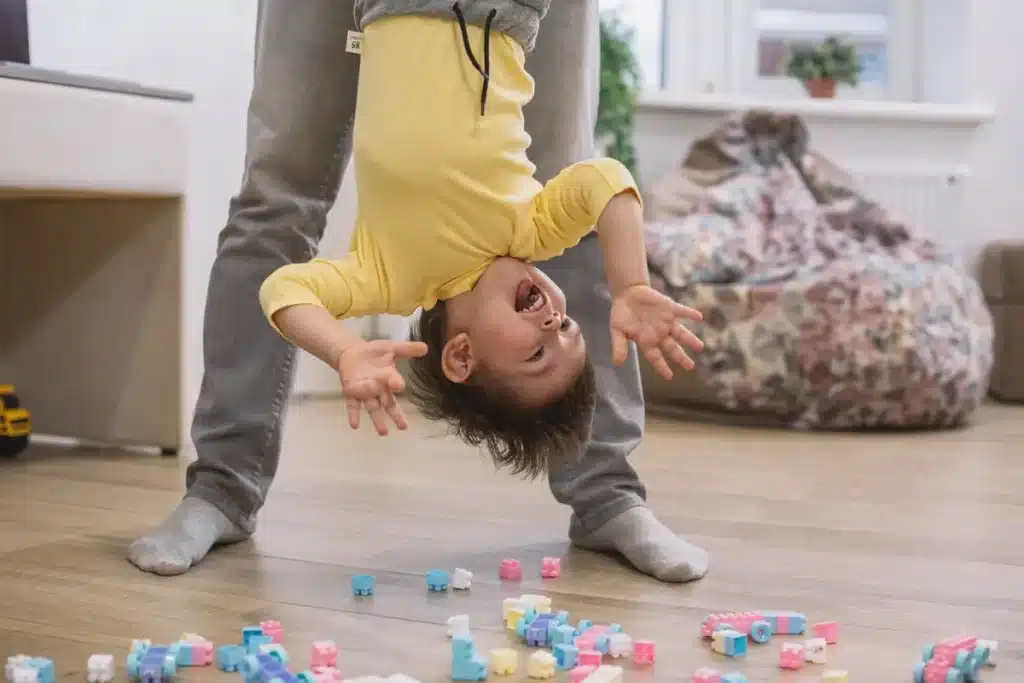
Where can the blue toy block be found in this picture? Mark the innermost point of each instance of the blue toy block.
(250, 632)
(155, 664)
(255, 642)
(734, 643)
(562, 617)
(438, 580)
(786, 623)
(583, 625)
(467, 665)
(305, 677)
(537, 636)
(277, 651)
(229, 657)
(601, 643)
(566, 657)
(563, 635)
(733, 677)
(45, 673)
(363, 584)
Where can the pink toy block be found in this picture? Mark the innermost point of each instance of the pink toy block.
(580, 673)
(588, 639)
(510, 570)
(550, 567)
(324, 654)
(201, 653)
(273, 630)
(643, 652)
(326, 674)
(829, 630)
(948, 648)
(706, 675)
(589, 658)
(791, 656)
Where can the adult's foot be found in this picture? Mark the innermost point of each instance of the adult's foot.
(184, 538)
(648, 545)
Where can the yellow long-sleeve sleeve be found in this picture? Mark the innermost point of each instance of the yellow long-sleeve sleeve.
(570, 205)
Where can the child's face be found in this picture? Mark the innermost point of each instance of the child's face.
(512, 330)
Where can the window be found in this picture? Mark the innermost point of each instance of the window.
(646, 19)
(911, 50)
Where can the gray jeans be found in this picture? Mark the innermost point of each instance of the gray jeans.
(298, 146)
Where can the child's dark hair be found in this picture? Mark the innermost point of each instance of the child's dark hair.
(528, 441)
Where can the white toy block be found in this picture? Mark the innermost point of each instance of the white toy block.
(25, 674)
(815, 650)
(620, 645)
(541, 665)
(13, 662)
(458, 625)
(993, 648)
(100, 668)
(462, 579)
(509, 604)
(835, 676)
(605, 674)
(540, 603)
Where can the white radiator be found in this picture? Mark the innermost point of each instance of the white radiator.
(929, 200)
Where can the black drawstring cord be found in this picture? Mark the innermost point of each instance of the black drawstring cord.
(485, 70)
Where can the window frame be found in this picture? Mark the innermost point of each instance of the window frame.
(710, 48)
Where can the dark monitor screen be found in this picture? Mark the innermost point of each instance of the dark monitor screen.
(14, 31)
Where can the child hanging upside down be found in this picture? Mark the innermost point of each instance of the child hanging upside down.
(450, 219)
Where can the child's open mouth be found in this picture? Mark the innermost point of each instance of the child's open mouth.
(529, 297)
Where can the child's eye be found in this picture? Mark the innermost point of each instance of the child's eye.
(538, 355)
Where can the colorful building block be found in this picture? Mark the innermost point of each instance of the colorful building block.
(509, 604)
(786, 623)
(250, 632)
(256, 643)
(13, 662)
(503, 661)
(510, 570)
(791, 656)
(275, 650)
(729, 643)
(364, 584)
(619, 645)
(467, 665)
(513, 617)
(835, 676)
(643, 652)
(589, 658)
(539, 603)
(753, 624)
(458, 625)
(587, 640)
(537, 634)
(154, 664)
(306, 676)
(265, 669)
(326, 674)
(992, 647)
(815, 650)
(99, 668)
(541, 665)
(194, 650)
(562, 634)
(706, 675)
(829, 630)
(550, 567)
(734, 677)
(323, 653)
(583, 625)
(273, 629)
(462, 579)
(438, 580)
(40, 669)
(229, 657)
(24, 674)
(605, 674)
(566, 656)
(580, 673)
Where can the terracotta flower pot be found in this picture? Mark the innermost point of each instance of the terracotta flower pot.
(822, 88)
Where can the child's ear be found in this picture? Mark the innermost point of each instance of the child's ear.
(457, 360)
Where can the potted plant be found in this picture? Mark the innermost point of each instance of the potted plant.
(620, 84)
(824, 66)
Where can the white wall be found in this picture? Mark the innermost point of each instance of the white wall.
(206, 47)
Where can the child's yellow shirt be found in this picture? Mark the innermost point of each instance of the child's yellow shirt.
(443, 187)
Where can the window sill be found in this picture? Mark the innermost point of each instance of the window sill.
(971, 115)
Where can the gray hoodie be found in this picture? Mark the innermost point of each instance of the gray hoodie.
(519, 19)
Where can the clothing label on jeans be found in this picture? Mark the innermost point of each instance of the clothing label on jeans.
(354, 42)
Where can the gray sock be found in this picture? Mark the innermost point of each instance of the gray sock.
(648, 545)
(184, 538)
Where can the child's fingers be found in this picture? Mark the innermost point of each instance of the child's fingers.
(676, 354)
(394, 411)
(354, 408)
(409, 349)
(685, 337)
(686, 313)
(655, 358)
(395, 382)
(378, 416)
(620, 347)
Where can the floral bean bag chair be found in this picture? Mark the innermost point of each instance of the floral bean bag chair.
(821, 309)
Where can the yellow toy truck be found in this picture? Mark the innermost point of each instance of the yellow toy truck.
(15, 423)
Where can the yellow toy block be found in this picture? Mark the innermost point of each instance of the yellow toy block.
(835, 676)
(513, 617)
(503, 661)
(541, 665)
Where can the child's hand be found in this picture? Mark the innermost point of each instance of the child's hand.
(369, 378)
(651, 320)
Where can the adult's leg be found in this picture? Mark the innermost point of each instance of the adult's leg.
(610, 513)
(298, 145)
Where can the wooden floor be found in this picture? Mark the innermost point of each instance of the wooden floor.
(903, 539)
